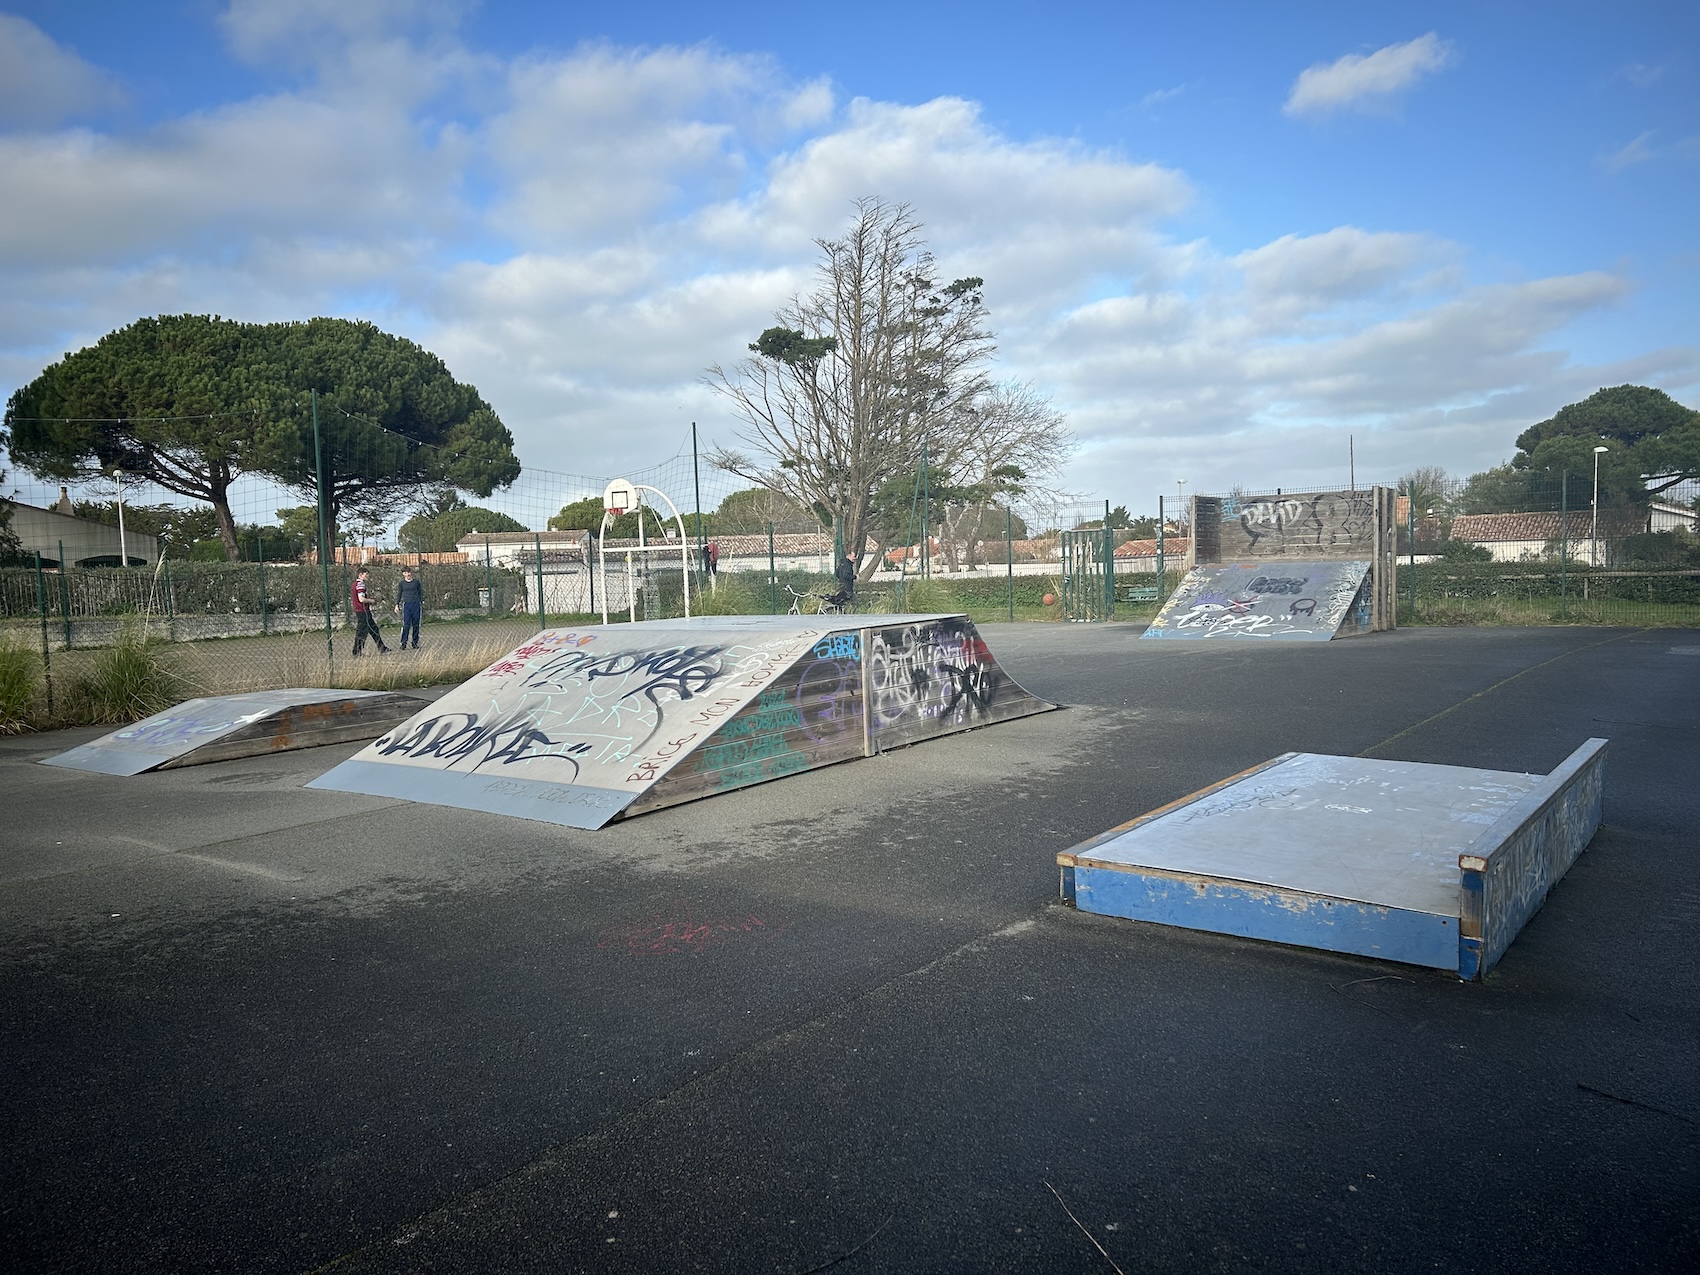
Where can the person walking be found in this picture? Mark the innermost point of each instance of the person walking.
(360, 594)
(845, 573)
(410, 606)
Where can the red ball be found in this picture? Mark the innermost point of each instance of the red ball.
(1050, 599)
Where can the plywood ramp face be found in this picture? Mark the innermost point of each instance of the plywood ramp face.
(582, 726)
(1265, 601)
(225, 727)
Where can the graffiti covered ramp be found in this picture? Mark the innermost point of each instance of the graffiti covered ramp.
(1290, 601)
(1428, 865)
(581, 726)
(223, 727)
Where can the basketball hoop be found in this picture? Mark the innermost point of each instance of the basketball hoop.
(619, 497)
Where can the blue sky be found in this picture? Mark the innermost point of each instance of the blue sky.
(1221, 236)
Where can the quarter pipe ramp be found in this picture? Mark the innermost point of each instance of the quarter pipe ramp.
(1291, 601)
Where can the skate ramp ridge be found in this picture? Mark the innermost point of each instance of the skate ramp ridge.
(1438, 866)
(1285, 600)
(223, 727)
(582, 726)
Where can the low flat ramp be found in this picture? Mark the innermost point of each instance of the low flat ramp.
(581, 726)
(1290, 601)
(1428, 865)
(222, 727)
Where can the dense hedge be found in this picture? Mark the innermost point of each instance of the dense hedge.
(1438, 581)
(221, 588)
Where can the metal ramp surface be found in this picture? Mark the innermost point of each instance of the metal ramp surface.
(581, 726)
(222, 727)
(1428, 865)
(1282, 600)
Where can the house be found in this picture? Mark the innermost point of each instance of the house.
(1136, 556)
(59, 535)
(1530, 537)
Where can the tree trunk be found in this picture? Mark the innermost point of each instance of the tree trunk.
(226, 523)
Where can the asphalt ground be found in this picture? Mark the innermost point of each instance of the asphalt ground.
(841, 1019)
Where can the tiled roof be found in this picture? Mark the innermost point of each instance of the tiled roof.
(1485, 529)
(1173, 547)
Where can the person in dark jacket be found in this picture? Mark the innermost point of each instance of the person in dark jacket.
(410, 605)
(845, 573)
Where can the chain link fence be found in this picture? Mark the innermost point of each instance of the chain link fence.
(491, 572)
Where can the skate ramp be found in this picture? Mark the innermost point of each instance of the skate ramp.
(1281, 601)
(222, 727)
(581, 726)
(1438, 866)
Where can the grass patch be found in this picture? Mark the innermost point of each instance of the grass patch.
(20, 687)
(135, 678)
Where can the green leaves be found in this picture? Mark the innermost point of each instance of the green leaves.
(1652, 442)
(190, 401)
(786, 345)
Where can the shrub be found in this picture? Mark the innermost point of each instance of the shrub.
(20, 683)
(129, 681)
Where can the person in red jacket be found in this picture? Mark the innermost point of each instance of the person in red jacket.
(360, 594)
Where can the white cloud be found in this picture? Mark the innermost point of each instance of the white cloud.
(1363, 80)
(1156, 97)
(1641, 75)
(259, 30)
(600, 225)
(42, 83)
(1637, 151)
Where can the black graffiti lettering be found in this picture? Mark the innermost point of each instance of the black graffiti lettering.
(687, 671)
(456, 737)
(1277, 584)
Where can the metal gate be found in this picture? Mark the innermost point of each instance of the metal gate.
(1089, 580)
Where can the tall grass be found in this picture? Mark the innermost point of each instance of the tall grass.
(20, 685)
(133, 679)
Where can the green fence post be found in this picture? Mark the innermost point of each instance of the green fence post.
(542, 613)
(772, 575)
(1009, 555)
(325, 546)
(1159, 550)
(170, 602)
(265, 616)
(1564, 545)
(1109, 566)
(41, 604)
(65, 594)
(696, 484)
(1411, 531)
(926, 517)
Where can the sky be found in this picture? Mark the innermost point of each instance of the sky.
(1224, 238)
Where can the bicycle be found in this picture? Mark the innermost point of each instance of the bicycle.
(815, 604)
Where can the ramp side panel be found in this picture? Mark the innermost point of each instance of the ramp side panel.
(333, 721)
(809, 716)
(1282, 601)
(1506, 876)
(935, 677)
(213, 728)
(1302, 919)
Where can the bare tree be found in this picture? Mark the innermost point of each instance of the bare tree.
(1009, 442)
(877, 365)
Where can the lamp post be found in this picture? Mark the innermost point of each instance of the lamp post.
(1594, 532)
(1180, 500)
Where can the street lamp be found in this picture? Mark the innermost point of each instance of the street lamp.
(1594, 534)
(1180, 500)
